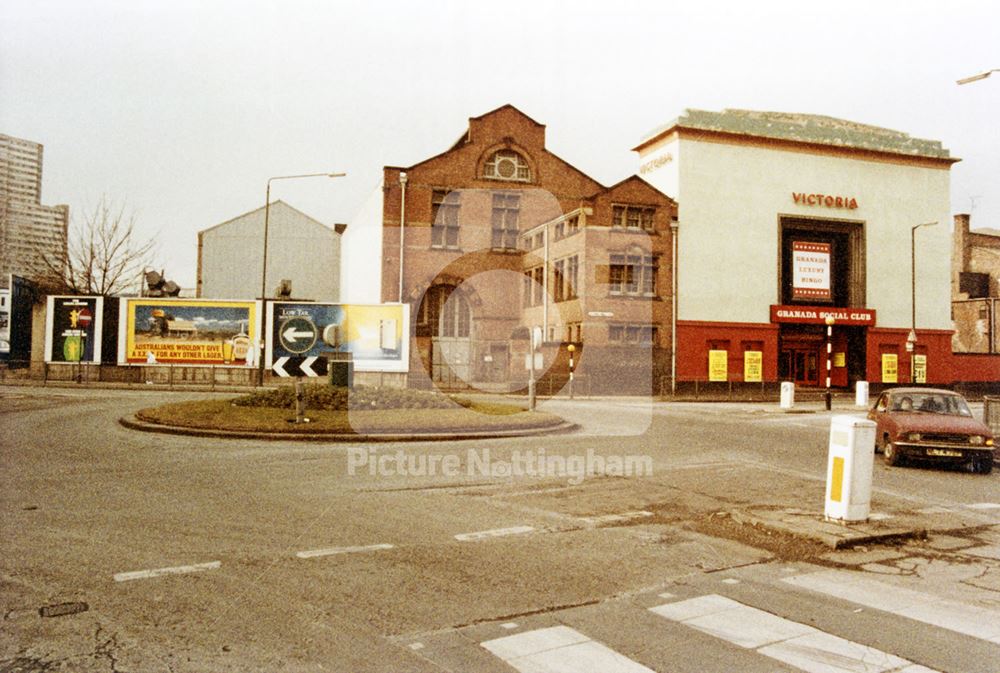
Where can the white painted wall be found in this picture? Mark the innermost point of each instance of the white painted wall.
(731, 197)
(361, 253)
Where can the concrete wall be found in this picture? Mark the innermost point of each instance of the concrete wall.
(361, 254)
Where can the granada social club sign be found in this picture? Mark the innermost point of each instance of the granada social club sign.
(817, 315)
(811, 271)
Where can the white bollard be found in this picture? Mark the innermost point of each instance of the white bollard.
(861, 394)
(787, 394)
(849, 469)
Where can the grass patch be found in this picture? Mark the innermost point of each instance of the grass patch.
(365, 411)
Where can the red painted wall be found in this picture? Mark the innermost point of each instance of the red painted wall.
(935, 344)
(694, 339)
(975, 368)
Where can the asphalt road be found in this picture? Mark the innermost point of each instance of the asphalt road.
(297, 557)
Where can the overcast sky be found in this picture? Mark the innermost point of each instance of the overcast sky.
(183, 109)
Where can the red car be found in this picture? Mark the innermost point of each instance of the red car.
(932, 425)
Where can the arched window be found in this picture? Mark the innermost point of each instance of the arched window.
(445, 313)
(507, 165)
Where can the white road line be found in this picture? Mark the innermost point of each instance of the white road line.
(984, 505)
(159, 572)
(560, 649)
(944, 613)
(795, 644)
(313, 553)
(616, 518)
(496, 532)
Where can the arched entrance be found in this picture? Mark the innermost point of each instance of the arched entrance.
(446, 317)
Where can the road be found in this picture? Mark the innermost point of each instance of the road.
(284, 557)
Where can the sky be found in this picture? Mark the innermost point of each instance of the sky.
(182, 110)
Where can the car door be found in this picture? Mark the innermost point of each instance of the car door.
(877, 413)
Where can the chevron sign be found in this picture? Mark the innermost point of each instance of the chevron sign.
(310, 366)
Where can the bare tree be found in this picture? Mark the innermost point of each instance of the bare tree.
(104, 255)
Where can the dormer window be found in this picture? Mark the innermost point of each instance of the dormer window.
(507, 165)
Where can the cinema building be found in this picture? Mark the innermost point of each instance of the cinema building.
(496, 238)
(787, 220)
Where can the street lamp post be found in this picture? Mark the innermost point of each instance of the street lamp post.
(976, 78)
(911, 339)
(828, 397)
(263, 272)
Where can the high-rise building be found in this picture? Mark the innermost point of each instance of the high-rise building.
(29, 231)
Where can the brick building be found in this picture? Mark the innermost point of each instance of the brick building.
(975, 288)
(499, 236)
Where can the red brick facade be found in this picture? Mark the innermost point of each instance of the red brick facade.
(477, 225)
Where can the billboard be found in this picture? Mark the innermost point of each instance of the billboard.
(187, 331)
(376, 335)
(73, 328)
(4, 323)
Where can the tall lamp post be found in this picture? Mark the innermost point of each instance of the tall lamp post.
(911, 338)
(976, 78)
(263, 272)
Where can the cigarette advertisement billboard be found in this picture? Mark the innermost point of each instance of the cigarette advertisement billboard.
(73, 329)
(376, 335)
(187, 331)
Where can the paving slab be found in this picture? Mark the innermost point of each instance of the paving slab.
(862, 556)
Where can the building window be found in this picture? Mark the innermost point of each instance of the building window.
(634, 274)
(507, 165)
(444, 219)
(504, 221)
(444, 312)
(632, 217)
(559, 280)
(641, 335)
(533, 288)
(572, 272)
(573, 332)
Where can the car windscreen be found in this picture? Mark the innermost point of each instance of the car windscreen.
(933, 403)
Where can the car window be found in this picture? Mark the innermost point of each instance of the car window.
(882, 404)
(938, 403)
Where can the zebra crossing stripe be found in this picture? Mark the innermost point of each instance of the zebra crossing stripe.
(560, 649)
(943, 613)
(789, 642)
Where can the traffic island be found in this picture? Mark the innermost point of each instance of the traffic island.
(361, 414)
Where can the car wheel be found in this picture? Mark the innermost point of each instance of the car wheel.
(892, 456)
(982, 464)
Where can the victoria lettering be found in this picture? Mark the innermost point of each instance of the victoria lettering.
(826, 200)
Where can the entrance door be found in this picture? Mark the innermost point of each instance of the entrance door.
(800, 365)
(450, 319)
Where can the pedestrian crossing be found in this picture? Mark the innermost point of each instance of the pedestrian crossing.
(782, 625)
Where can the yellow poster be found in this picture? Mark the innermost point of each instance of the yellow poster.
(718, 365)
(890, 368)
(920, 369)
(188, 331)
(840, 359)
(753, 366)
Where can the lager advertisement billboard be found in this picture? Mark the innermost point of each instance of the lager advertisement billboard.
(188, 331)
(376, 335)
(73, 329)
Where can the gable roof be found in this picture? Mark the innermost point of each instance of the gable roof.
(274, 204)
(804, 128)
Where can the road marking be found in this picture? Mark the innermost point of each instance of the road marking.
(616, 518)
(509, 625)
(560, 649)
(159, 572)
(496, 532)
(984, 505)
(944, 613)
(793, 643)
(341, 550)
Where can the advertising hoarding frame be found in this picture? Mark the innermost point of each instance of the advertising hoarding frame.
(361, 364)
(126, 328)
(96, 335)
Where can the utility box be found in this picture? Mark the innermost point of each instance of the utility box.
(341, 369)
(861, 394)
(849, 469)
(787, 394)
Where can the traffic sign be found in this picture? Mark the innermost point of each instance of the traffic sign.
(298, 334)
(310, 366)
